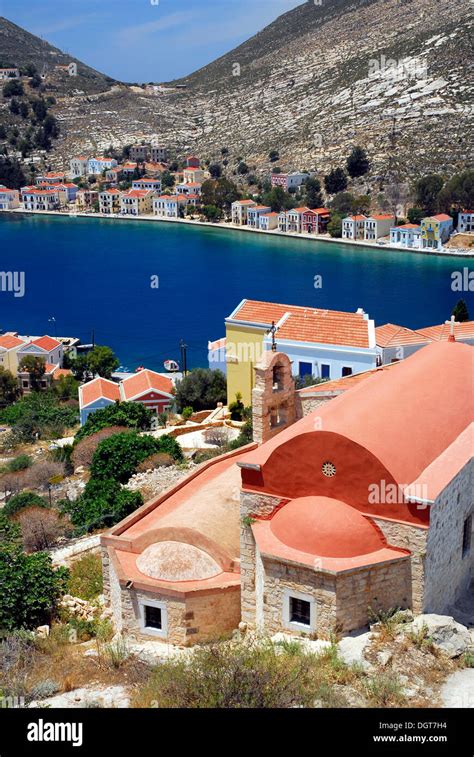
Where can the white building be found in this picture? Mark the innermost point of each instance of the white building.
(353, 227)
(40, 199)
(169, 206)
(377, 226)
(152, 184)
(136, 202)
(408, 235)
(78, 167)
(268, 221)
(9, 73)
(109, 201)
(9, 198)
(254, 213)
(289, 181)
(466, 221)
(240, 210)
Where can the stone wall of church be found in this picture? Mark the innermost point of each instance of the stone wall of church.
(305, 405)
(204, 617)
(379, 587)
(251, 504)
(448, 573)
(412, 538)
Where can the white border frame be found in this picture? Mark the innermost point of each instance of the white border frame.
(287, 595)
(161, 633)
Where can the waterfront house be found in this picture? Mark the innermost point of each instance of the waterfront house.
(191, 175)
(191, 188)
(70, 189)
(37, 199)
(322, 343)
(283, 221)
(52, 372)
(46, 347)
(318, 221)
(109, 201)
(295, 219)
(170, 206)
(407, 235)
(289, 181)
(10, 343)
(9, 73)
(153, 185)
(466, 221)
(268, 221)
(435, 231)
(240, 210)
(95, 395)
(139, 153)
(86, 198)
(254, 213)
(9, 198)
(353, 227)
(78, 167)
(158, 154)
(136, 202)
(377, 226)
(96, 166)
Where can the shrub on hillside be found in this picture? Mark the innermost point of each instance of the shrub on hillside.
(85, 579)
(83, 451)
(20, 501)
(31, 588)
(39, 414)
(19, 463)
(102, 504)
(132, 415)
(41, 527)
(119, 456)
(201, 389)
(158, 460)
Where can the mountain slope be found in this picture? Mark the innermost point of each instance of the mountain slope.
(18, 47)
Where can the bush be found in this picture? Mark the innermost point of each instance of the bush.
(20, 463)
(119, 456)
(85, 580)
(233, 674)
(186, 413)
(41, 527)
(83, 451)
(22, 500)
(236, 408)
(102, 504)
(202, 389)
(132, 415)
(31, 588)
(39, 413)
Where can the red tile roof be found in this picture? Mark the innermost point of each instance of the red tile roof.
(391, 335)
(143, 382)
(7, 341)
(441, 332)
(338, 386)
(305, 324)
(96, 389)
(46, 343)
(408, 226)
(442, 217)
(382, 217)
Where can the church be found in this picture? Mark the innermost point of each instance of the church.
(353, 499)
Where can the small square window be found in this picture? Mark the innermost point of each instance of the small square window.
(325, 371)
(153, 617)
(346, 371)
(300, 611)
(466, 536)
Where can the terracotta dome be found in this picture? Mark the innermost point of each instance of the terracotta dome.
(177, 561)
(326, 527)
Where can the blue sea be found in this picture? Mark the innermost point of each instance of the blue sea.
(141, 286)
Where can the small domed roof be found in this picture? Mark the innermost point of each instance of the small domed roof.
(326, 527)
(177, 561)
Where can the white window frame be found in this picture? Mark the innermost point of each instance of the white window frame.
(288, 594)
(162, 632)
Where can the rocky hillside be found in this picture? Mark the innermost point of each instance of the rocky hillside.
(19, 48)
(391, 75)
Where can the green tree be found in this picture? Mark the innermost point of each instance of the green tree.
(343, 203)
(335, 226)
(102, 504)
(8, 386)
(242, 168)
(237, 408)
(13, 88)
(208, 192)
(35, 366)
(278, 199)
(460, 311)
(415, 215)
(427, 191)
(335, 181)
(313, 196)
(66, 388)
(357, 163)
(21, 501)
(458, 192)
(39, 413)
(167, 180)
(102, 361)
(274, 155)
(226, 193)
(119, 456)
(201, 389)
(212, 213)
(31, 588)
(215, 170)
(133, 415)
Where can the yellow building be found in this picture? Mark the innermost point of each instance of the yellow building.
(9, 346)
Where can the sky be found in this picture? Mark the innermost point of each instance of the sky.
(145, 40)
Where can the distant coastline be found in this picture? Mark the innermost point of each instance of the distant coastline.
(233, 227)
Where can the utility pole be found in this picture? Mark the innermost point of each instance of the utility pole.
(93, 338)
(183, 347)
